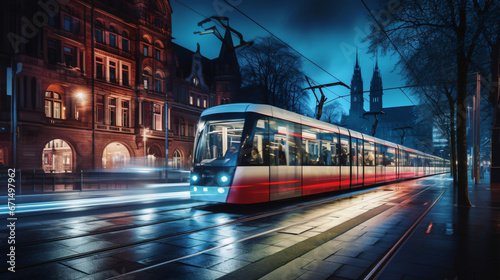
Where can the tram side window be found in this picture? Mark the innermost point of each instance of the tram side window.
(380, 155)
(390, 157)
(311, 146)
(284, 143)
(369, 154)
(344, 150)
(254, 151)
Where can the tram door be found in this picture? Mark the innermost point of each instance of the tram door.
(285, 172)
(356, 162)
(345, 165)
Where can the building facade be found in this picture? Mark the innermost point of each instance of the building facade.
(102, 85)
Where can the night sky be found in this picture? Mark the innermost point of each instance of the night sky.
(327, 32)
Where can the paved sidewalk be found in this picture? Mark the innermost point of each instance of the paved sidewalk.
(453, 242)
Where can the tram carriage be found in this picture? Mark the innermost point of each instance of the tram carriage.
(251, 153)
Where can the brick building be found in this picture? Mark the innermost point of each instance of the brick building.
(101, 84)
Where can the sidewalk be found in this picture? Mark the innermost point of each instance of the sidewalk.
(453, 242)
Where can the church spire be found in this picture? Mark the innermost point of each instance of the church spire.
(357, 64)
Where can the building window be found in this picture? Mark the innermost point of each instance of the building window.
(100, 108)
(99, 68)
(198, 101)
(176, 160)
(125, 113)
(157, 118)
(99, 32)
(125, 42)
(182, 129)
(196, 81)
(159, 81)
(191, 99)
(112, 37)
(112, 71)
(69, 56)
(53, 105)
(112, 111)
(158, 54)
(145, 50)
(67, 23)
(146, 78)
(125, 72)
(204, 102)
(52, 52)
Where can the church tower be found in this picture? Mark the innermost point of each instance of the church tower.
(376, 90)
(227, 71)
(356, 92)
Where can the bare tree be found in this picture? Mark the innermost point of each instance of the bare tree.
(457, 27)
(332, 113)
(273, 72)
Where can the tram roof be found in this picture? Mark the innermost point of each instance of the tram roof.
(276, 112)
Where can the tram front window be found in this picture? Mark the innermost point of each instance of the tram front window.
(218, 143)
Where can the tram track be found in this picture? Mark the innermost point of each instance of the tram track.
(145, 241)
(262, 267)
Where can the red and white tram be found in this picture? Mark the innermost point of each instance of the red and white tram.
(250, 153)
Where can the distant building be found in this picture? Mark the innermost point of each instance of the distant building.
(418, 136)
(101, 85)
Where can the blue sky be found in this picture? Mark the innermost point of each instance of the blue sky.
(327, 32)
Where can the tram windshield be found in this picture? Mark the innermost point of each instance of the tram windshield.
(218, 142)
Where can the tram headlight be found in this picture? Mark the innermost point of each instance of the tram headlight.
(223, 179)
(195, 189)
(220, 190)
(194, 178)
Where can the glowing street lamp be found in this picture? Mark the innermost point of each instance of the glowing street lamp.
(79, 97)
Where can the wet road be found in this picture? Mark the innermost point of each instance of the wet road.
(164, 235)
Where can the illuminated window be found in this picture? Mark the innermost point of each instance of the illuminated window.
(157, 117)
(57, 157)
(53, 105)
(176, 160)
(146, 78)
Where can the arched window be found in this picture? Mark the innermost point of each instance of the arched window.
(53, 105)
(57, 157)
(146, 48)
(125, 42)
(176, 160)
(158, 50)
(146, 78)
(115, 155)
(99, 31)
(159, 81)
(112, 37)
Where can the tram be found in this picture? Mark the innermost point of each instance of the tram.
(250, 153)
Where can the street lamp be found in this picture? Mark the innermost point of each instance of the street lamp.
(79, 97)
